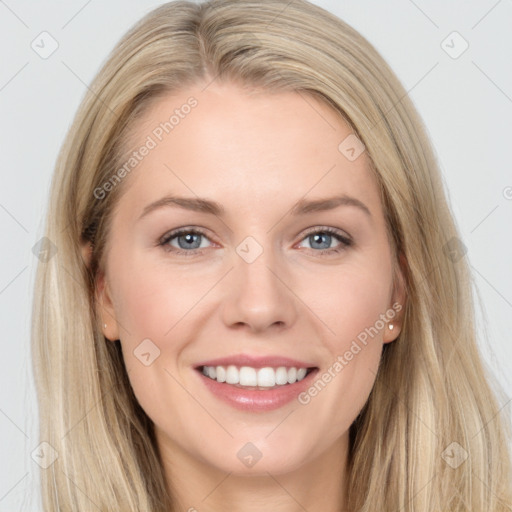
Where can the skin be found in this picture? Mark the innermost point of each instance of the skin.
(256, 153)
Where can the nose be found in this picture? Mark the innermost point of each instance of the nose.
(258, 295)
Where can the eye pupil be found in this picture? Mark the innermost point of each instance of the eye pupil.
(318, 236)
(189, 237)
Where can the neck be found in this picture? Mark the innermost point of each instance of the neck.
(318, 485)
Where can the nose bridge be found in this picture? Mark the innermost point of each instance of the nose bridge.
(257, 295)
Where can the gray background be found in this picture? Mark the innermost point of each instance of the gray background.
(466, 103)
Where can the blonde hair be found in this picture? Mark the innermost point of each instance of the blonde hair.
(431, 389)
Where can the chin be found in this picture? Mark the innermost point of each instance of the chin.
(257, 458)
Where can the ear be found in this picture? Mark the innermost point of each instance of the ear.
(103, 301)
(398, 300)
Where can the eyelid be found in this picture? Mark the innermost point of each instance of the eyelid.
(341, 236)
(178, 231)
(326, 229)
(174, 233)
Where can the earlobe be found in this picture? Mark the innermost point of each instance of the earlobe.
(105, 308)
(398, 302)
(103, 302)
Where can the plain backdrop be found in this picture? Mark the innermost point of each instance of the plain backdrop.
(465, 101)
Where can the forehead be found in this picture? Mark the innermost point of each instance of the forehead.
(246, 148)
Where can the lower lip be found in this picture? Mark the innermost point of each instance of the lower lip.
(254, 400)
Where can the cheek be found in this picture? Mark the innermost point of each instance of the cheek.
(152, 309)
(351, 300)
(353, 306)
(152, 299)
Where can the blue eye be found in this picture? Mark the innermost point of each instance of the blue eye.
(324, 236)
(189, 241)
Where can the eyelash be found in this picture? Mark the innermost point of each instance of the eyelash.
(345, 242)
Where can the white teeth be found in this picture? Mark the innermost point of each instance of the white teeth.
(248, 376)
(262, 377)
(281, 376)
(232, 375)
(301, 373)
(221, 374)
(266, 377)
(292, 375)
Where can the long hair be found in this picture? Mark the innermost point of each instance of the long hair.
(431, 436)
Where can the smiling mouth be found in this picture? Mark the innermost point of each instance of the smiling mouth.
(249, 378)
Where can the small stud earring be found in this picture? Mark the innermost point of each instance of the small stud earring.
(105, 326)
(391, 326)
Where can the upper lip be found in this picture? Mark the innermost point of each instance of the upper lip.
(256, 361)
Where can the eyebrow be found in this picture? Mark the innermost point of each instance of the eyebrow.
(302, 207)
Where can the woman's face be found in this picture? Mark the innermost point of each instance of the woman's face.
(267, 277)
